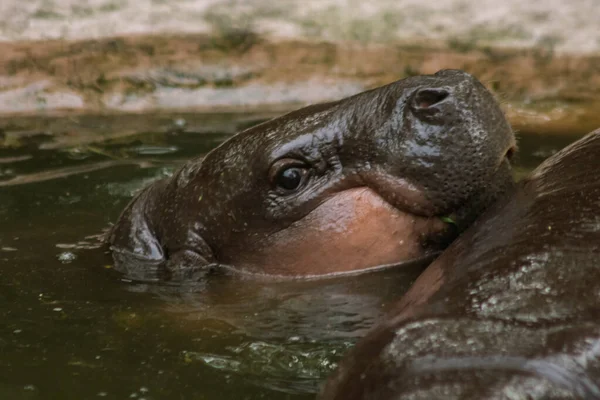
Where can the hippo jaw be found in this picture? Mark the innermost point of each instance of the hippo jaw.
(353, 230)
(331, 188)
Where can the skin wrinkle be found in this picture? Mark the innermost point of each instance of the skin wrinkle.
(319, 172)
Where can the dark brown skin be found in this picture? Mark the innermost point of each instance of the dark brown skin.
(330, 188)
(509, 311)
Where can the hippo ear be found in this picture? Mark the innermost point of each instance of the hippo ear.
(135, 248)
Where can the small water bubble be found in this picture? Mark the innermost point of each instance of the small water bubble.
(78, 153)
(68, 199)
(180, 122)
(66, 257)
(544, 153)
(29, 388)
(57, 309)
(144, 389)
(7, 172)
(102, 394)
(16, 331)
(147, 150)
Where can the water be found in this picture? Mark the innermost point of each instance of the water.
(72, 328)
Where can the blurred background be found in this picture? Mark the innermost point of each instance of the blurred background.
(540, 57)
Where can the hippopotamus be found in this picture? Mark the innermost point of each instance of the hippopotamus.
(508, 311)
(386, 177)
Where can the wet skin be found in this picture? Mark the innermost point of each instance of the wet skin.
(330, 188)
(510, 310)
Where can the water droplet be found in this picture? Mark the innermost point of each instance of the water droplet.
(66, 257)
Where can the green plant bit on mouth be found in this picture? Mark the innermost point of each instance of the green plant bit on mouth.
(448, 220)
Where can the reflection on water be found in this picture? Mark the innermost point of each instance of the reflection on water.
(72, 328)
(283, 336)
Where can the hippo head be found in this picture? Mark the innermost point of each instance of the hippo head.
(388, 176)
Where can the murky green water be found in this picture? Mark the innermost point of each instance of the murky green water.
(72, 328)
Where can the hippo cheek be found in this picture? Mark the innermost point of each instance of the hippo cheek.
(353, 230)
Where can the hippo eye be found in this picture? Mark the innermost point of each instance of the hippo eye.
(288, 174)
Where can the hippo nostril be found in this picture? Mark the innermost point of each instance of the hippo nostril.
(426, 98)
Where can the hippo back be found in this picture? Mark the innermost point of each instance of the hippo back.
(509, 311)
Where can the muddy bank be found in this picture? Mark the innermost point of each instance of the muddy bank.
(139, 56)
(242, 71)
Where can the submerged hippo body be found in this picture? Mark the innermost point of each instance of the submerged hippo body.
(509, 311)
(335, 187)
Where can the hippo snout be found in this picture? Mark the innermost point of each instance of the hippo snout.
(455, 142)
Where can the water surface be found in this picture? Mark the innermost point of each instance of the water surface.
(72, 328)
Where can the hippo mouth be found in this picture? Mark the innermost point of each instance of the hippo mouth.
(353, 231)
